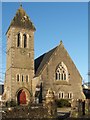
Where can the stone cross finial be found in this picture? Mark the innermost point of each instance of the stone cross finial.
(61, 42)
(20, 4)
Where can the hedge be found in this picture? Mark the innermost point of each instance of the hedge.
(63, 103)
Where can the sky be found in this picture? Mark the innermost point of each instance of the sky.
(54, 21)
(0, 42)
(89, 41)
(45, 0)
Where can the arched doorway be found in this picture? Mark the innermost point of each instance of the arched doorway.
(21, 97)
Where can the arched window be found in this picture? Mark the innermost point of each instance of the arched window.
(64, 76)
(56, 76)
(18, 77)
(18, 40)
(59, 76)
(25, 40)
(22, 78)
(61, 72)
(70, 95)
(61, 95)
(27, 78)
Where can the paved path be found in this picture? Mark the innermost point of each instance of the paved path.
(63, 112)
(64, 109)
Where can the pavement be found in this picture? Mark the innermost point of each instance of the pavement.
(63, 112)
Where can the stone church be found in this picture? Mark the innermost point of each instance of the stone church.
(27, 79)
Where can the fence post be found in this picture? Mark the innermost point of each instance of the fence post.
(83, 107)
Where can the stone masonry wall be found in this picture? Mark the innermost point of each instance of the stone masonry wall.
(74, 82)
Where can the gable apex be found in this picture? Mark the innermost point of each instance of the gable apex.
(41, 61)
(61, 42)
(45, 58)
(64, 49)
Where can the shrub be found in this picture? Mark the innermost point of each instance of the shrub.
(11, 103)
(63, 103)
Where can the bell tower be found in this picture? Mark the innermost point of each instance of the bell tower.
(20, 57)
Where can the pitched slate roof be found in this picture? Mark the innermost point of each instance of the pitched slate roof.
(42, 60)
(21, 19)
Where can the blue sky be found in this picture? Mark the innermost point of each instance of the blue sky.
(45, 0)
(89, 41)
(0, 42)
(66, 21)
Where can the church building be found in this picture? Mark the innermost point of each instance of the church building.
(27, 79)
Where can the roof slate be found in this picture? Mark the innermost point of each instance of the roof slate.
(42, 60)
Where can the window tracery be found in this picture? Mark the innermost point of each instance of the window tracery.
(61, 72)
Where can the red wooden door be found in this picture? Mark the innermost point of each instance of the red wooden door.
(22, 97)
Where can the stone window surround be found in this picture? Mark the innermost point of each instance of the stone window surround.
(61, 95)
(61, 72)
(18, 40)
(22, 40)
(28, 78)
(70, 95)
(17, 77)
(20, 78)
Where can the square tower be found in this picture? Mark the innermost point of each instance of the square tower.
(20, 58)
